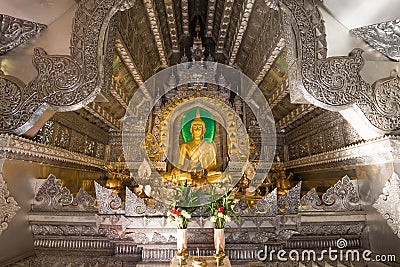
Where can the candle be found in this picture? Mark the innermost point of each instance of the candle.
(198, 253)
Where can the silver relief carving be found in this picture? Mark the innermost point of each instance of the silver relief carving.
(84, 201)
(52, 195)
(64, 230)
(385, 109)
(47, 259)
(8, 205)
(15, 32)
(136, 206)
(342, 196)
(388, 203)
(19, 147)
(66, 83)
(326, 229)
(289, 202)
(384, 37)
(333, 83)
(138, 238)
(108, 202)
(311, 201)
(268, 206)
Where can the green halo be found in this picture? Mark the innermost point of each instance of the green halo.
(187, 121)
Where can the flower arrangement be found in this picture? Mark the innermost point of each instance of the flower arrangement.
(180, 216)
(221, 209)
(184, 203)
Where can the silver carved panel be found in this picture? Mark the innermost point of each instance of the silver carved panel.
(340, 197)
(136, 206)
(64, 83)
(289, 202)
(53, 196)
(15, 32)
(8, 205)
(335, 83)
(384, 37)
(268, 206)
(388, 203)
(108, 202)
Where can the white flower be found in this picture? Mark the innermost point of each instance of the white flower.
(186, 214)
(227, 218)
(213, 219)
(220, 215)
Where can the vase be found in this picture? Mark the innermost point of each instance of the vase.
(181, 240)
(219, 241)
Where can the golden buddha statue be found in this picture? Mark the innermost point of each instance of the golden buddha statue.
(283, 183)
(197, 164)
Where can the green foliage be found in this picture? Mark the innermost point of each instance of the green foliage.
(220, 208)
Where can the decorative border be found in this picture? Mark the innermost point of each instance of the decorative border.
(228, 7)
(11, 144)
(241, 29)
(155, 28)
(340, 197)
(375, 151)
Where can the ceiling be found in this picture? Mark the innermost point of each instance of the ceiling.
(156, 34)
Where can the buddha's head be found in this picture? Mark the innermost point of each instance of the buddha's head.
(197, 127)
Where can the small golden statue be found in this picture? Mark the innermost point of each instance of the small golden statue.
(197, 164)
(118, 174)
(283, 184)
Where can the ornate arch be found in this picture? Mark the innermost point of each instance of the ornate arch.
(335, 83)
(64, 83)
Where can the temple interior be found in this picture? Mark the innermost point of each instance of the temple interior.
(118, 115)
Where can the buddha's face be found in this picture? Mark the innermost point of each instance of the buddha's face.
(197, 130)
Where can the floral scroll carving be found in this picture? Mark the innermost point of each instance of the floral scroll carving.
(16, 32)
(108, 202)
(289, 202)
(136, 206)
(340, 197)
(8, 206)
(335, 83)
(53, 196)
(384, 37)
(65, 83)
(268, 205)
